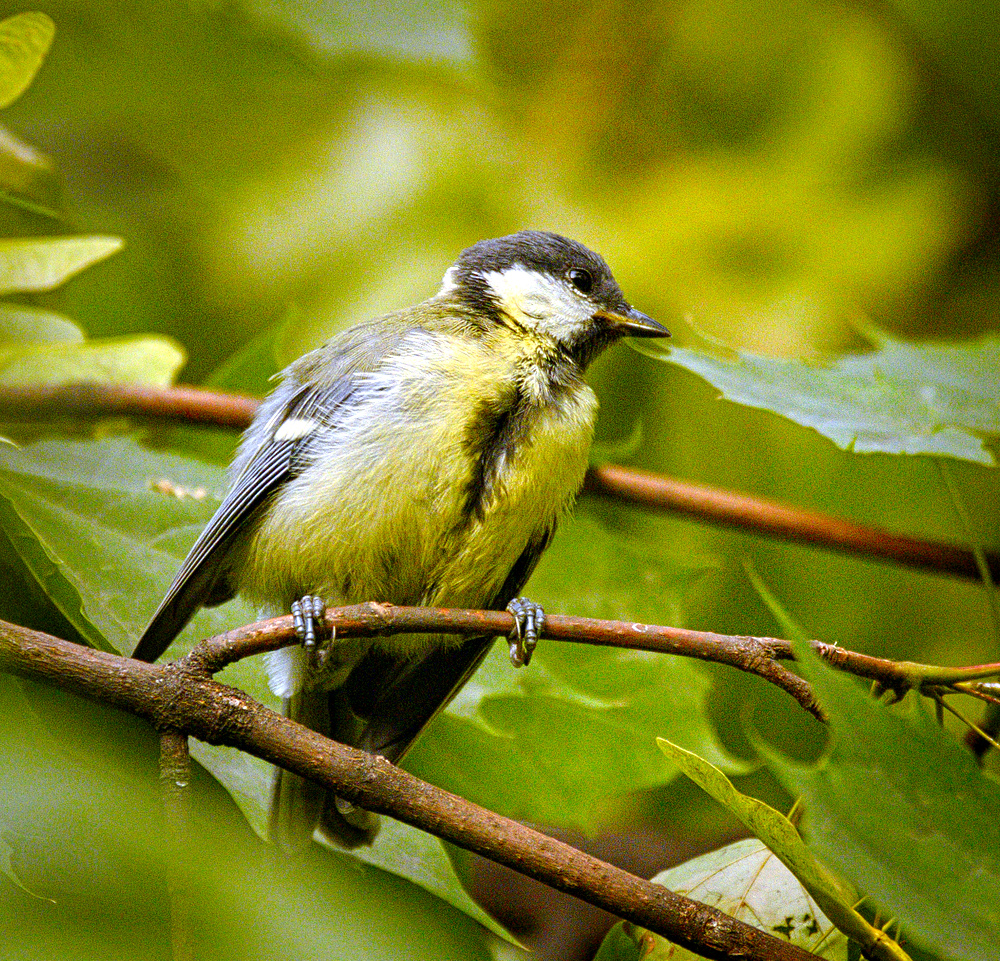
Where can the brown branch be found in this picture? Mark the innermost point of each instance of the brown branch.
(87, 401)
(176, 698)
(756, 655)
(770, 518)
(754, 514)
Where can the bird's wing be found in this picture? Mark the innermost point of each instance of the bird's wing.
(268, 458)
(202, 578)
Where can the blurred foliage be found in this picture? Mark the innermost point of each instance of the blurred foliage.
(906, 812)
(783, 177)
(84, 838)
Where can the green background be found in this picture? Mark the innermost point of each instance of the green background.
(791, 179)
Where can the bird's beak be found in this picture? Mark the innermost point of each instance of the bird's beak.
(633, 323)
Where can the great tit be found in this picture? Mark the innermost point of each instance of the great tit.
(422, 458)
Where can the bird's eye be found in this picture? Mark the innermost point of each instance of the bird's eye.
(581, 280)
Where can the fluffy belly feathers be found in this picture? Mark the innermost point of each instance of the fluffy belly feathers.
(383, 513)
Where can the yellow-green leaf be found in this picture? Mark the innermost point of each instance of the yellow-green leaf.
(42, 263)
(24, 41)
(835, 897)
(143, 359)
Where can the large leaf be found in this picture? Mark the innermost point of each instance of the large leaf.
(28, 265)
(746, 881)
(903, 398)
(24, 41)
(902, 809)
(111, 360)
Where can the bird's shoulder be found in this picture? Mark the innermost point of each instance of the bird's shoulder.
(365, 347)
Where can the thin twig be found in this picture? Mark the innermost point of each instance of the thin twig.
(984, 692)
(754, 514)
(752, 654)
(759, 515)
(972, 726)
(175, 782)
(176, 698)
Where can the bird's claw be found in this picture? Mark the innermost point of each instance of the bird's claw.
(528, 618)
(307, 614)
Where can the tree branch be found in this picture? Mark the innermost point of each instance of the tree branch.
(756, 655)
(176, 698)
(772, 519)
(91, 401)
(754, 514)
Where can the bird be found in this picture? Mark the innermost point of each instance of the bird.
(424, 457)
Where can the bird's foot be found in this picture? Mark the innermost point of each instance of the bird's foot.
(528, 618)
(307, 616)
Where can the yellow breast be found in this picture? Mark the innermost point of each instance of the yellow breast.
(384, 513)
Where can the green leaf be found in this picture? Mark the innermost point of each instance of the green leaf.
(746, 881)
(835, 898)
(114, 360)
(931, 398)
(29, 265)
(92, 530)
(25, 325)
(902, 809)
(25, 39)
(38, 592)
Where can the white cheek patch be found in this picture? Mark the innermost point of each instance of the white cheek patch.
(520, 291)
(295, 428)
(537, 300)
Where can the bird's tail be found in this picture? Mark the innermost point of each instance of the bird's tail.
(298, 806)
(382, 707)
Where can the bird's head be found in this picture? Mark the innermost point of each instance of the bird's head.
(539, 282)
